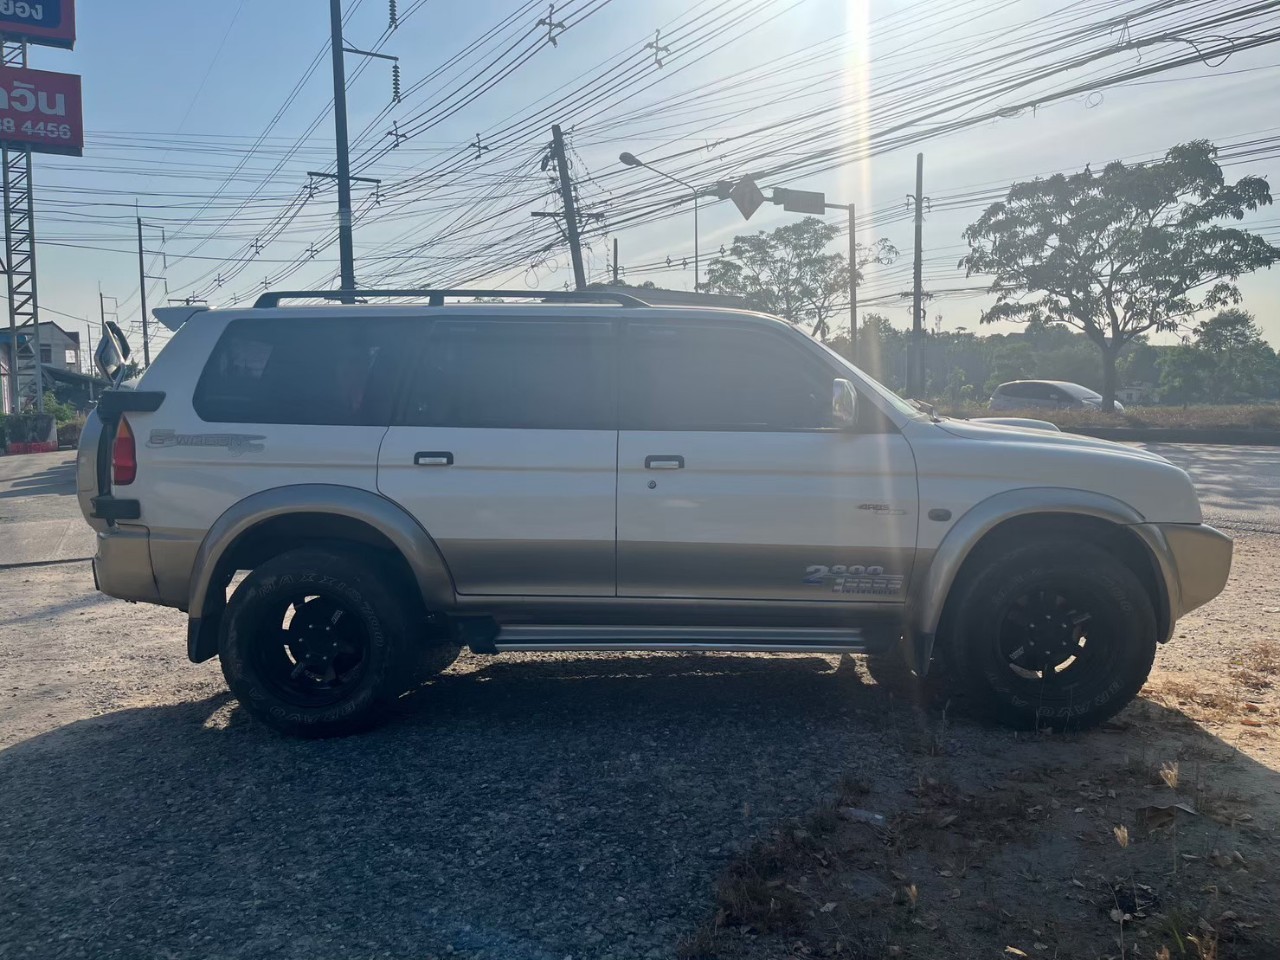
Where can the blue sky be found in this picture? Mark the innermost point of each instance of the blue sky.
(175, 94)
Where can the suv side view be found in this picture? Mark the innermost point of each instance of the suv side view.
(1046, 395)
(394, 482)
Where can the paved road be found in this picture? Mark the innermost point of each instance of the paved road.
(1239, 486)
(40, 520)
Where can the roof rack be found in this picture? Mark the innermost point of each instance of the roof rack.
(436, 297)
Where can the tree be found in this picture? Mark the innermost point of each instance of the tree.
(789, 271)
(1244, 365)
(1120, 253)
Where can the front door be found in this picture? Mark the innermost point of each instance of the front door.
(733, 483)
(506, 452)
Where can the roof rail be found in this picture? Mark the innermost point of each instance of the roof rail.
(436, 297)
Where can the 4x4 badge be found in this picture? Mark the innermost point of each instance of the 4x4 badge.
(236, 443)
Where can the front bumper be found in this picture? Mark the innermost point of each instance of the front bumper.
(1201, 560)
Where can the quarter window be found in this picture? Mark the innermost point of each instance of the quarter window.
(329, 370)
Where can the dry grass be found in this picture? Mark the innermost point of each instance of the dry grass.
(948, 875)
(1198, 702)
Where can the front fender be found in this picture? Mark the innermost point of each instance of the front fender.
(413, 542)
(931, 596)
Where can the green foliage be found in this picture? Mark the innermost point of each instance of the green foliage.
(789, 271)
(27, 427)
(1122, 252)
(1228, 361)
(61, 412)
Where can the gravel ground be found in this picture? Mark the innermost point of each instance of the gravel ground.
(550, 807)
(571, 806)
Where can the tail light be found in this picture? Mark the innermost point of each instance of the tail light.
(124, 455)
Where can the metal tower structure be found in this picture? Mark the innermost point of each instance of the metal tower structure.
(20, 252)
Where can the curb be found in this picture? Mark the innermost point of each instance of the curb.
(1231, 437)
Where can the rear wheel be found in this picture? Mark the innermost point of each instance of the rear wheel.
(1057, 635)
(312, 642)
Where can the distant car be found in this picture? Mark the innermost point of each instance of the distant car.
(1046, 395)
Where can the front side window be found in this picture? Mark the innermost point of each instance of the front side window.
(331, 370)
(678, 377)
(521, 374)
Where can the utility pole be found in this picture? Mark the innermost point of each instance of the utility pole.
(615, 260)
(917, 311)
(570, 209)
(853, 288)
(346, 243)
(142, 292)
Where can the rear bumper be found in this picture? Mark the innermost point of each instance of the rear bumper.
(1201, 557)
(122, 564)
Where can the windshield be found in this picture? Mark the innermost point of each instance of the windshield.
(904, 407)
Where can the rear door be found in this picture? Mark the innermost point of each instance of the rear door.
(733, 483)
(505, 450)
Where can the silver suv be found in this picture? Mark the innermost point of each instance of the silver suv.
(1046, 395)
(393, 482)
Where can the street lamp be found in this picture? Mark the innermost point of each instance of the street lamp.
(631, 160)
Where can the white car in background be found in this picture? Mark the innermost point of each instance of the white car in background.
(1046, 395)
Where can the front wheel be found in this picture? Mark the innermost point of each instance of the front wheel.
(312, 641)
(1056, 635)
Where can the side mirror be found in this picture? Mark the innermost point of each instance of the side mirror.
(844, 404)
(112, 353)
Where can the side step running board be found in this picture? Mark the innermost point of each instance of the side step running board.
(518, 637)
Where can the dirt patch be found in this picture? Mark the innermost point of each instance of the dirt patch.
(1153, 837)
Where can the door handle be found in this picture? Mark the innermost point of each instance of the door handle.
(663, 462)
(433, 458)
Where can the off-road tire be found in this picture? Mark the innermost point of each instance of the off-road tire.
(990, 605)
(349, 581)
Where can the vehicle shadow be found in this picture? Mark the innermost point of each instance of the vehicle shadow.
(576, 806)
(60, 481)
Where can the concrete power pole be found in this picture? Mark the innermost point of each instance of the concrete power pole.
(615, 260)
(346, 243)
(570, 208)
(853, 288)
(142, 292)
(916, 378)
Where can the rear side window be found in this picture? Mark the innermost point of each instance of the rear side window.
(333, 370)
(1023, 391)
(529, 374)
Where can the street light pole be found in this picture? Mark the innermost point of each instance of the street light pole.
(631, 160)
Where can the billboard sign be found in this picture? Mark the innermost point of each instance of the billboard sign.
(48, 22)
(41, 111)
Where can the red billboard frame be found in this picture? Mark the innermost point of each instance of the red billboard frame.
(41, 111)
(50, 23)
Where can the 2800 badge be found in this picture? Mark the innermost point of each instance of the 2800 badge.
(855, 579)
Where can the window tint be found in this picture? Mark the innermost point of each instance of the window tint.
(1016, 391)
(529, 374)
(332, 370)
(720, 378)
